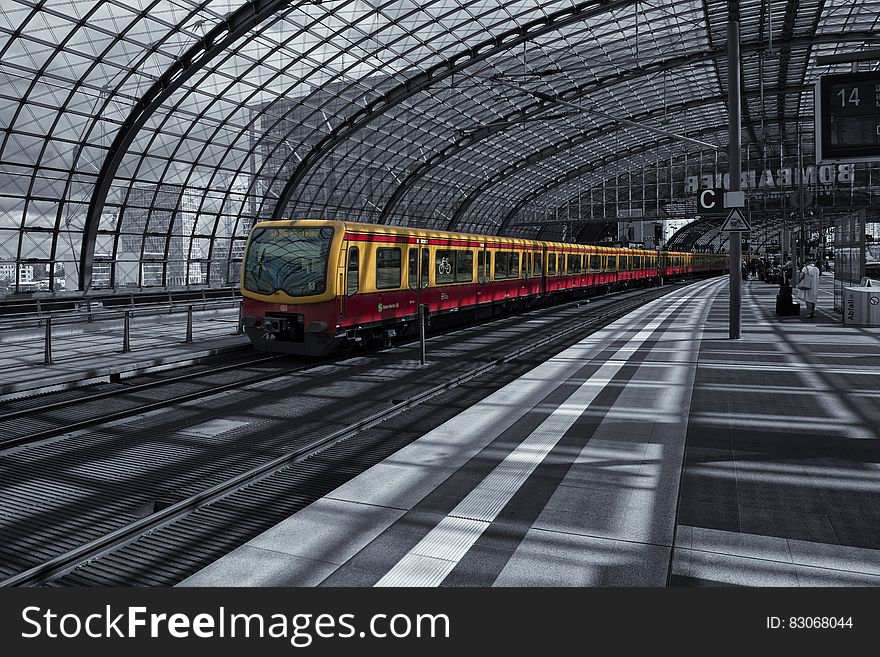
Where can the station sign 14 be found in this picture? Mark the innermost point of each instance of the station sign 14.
(848, 117)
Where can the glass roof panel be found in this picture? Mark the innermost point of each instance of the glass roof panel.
(472, 114)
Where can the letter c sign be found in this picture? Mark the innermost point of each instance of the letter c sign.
(710, 200)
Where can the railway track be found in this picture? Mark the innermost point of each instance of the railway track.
(38, 418)
(171, 506)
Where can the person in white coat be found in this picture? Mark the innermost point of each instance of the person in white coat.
(808, 284)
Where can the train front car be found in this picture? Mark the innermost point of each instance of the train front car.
(289, 288)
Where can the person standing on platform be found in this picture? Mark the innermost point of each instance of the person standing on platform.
(787, 270)
(808, 284)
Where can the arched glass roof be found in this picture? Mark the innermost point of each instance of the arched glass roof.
(140, 140)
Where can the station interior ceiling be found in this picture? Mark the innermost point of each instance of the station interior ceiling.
(140, 140)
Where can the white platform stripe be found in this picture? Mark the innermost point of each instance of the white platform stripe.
(436, 555)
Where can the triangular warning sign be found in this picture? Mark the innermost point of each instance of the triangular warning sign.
(735, 221)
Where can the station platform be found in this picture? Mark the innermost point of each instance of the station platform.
(90, 352)
(654, 452)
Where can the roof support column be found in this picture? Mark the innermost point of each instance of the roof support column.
(735, 245)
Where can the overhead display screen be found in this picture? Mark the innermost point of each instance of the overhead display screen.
(848, 117)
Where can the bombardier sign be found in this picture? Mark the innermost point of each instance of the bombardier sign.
(826, 174)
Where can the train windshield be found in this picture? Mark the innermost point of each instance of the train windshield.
(288, 259)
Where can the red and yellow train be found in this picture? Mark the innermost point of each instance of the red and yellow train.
(310, 285)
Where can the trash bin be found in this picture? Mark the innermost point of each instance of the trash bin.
(861, 306)
(784, 303)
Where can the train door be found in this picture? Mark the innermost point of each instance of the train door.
(484, 268)
(418, 267)
(352, 280)
(543, 272)
(538, 271)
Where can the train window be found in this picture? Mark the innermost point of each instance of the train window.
(454, 266)
(352, 271)
(595, 263)
(527, 264)
(292, 259)
(513, 265)
(414, 267)
(623, 262)
(551, 264)
(388, 262)
(506, 265)
(444, 266)
(574, 263)
(481, 266)
(538, 264)
(464, 266)
(612, 263)
(502, 265)
(637, 262)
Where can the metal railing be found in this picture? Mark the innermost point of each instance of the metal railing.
(12, 308)
(45, 317)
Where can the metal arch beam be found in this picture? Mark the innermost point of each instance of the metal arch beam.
(574, 174)
(788, 26)
(711, 226)
(577, 92)
(565, 144)
(532, 111)
(733, 14)
(817, 19)
(688, 235)
(221, 36)
(684, 235)
(520, 116)
(550, 151)
(425, 79)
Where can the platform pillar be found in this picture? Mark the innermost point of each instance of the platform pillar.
(189, 323)
(735, 166)
(47, 350)
(126, 333)
(423, 317)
